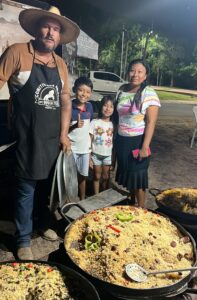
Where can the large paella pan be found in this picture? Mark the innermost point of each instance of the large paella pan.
(104, 241)
(179, 203)
(39, 280)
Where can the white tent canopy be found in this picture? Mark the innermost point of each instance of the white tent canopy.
(86, 46)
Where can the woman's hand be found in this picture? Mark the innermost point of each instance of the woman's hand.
(144, 152)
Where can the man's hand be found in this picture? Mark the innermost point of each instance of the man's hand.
(80, 122)
(65, 143)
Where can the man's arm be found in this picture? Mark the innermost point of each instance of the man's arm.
(66, 107)
(8, 65)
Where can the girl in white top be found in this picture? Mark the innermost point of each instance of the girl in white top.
(101, 133)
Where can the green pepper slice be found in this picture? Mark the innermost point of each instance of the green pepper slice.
(94, 246)
(124, 217)
(92, 241)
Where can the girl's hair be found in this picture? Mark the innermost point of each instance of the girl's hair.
(138, 95)
(82, 81)
(104, 100)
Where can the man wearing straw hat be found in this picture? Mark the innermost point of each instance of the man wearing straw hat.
(41, 109)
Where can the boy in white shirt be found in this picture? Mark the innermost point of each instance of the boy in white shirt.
(82, 114)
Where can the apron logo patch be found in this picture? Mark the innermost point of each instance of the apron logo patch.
(47, 96)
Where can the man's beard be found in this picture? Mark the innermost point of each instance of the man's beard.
(41, 46)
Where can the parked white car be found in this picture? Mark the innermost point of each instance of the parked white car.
(105, 82)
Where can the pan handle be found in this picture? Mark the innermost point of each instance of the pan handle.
(65, 208)
(154, 192)
(193, 288)
(191, 291)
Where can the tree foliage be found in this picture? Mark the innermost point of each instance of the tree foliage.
(166, 58)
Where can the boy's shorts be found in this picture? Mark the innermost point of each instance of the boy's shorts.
(82, 162)
(100, 160)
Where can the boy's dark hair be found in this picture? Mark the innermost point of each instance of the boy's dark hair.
(138, 95)
(104, 100)
(80, 81)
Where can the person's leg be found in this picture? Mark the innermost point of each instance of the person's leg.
(114, 159)
(105, 177)
(140, 195)
(132, 197)
(41, 210)
(82, 163)
(23, 211)
(97, 176)
(82, 186)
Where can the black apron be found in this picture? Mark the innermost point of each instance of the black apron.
(37, 123)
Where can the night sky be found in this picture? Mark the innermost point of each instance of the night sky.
(175, 19)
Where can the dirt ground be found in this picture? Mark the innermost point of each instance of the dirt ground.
(173, 162)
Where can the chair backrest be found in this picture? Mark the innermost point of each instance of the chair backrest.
(195, 112)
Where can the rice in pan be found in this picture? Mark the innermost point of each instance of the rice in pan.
(181, 199)
(103, 242)
(36, 281)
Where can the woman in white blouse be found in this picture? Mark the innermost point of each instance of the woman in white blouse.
(137, 108)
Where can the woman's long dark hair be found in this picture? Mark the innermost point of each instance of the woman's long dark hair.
(138, 95)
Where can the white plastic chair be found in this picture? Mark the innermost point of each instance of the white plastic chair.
(195, 129)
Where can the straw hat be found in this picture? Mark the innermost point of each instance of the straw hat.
(30, 18)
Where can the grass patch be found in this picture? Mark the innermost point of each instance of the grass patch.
(175, 96)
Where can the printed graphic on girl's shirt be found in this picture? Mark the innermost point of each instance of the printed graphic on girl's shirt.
(102, 136)
(108, 142)
(109, 131)
(99, 140)
(105, 140)
(99, 130)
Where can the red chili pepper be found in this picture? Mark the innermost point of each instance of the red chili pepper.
(114, 228)
(49, 270)
(30, 265)
(14, 264)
